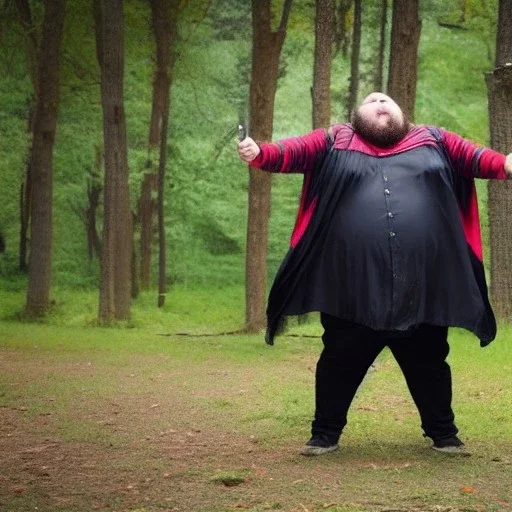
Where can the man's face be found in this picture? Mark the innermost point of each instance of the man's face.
(380, 120)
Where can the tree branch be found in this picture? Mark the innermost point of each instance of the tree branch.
(286, 14)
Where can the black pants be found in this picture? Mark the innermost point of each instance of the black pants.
(350, 349)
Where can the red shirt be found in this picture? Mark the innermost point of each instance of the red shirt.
(299, 155)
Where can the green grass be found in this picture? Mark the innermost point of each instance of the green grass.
(230, 478)
(120, 396)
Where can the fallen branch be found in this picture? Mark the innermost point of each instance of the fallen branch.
(230, 333)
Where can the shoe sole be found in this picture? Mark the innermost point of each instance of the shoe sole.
(453, 450)
(314, 451)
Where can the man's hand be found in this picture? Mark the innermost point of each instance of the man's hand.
(508, 166)
(248, 150)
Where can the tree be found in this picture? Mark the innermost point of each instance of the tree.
(87, 213)
(342, 32)
(403, 62)
(379, 68)
(146, 212)
(354, 61)
(41, 158)
(116, 254)
(324, 38)
(504, 34)
(24, 16)
(164, 15)
(266, 50)
(499, 86)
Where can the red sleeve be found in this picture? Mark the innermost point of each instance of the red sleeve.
(296, 154)
(472, 160)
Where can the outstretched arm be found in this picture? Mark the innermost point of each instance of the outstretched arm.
(296, 154)
(475, 161)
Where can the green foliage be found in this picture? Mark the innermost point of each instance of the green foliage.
(206, 184)
(231, 20)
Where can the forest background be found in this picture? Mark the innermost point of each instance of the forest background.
(206, 183)
(179, 408)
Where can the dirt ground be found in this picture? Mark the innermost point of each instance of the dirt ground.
(149, 445)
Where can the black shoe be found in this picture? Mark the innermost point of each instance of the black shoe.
(451, 445)
(318, 446)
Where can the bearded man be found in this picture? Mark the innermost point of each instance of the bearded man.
(387, 248)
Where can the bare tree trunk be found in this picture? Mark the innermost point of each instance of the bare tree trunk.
(403, 64)
(45, 126)
(133, 267)
(379, 68)
(94, 189)
(164, 15)
(341, 36)
(93, 240)
(504, 34)
(266, 50)
(164, 21)
(499, 85)
(146, 207)
(87, 213)
(31, 45)
(116, 255)
(147, 204)
(161, 219)
(324, 38)
(354, 64)
(25, 200)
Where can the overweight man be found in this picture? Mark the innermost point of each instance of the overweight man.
(387, 247)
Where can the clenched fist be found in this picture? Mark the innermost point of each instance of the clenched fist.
(248, 150)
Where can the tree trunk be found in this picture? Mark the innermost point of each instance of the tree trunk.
(147, 204)
(324, 38)
(266, 50)
(164, 15)
(164, 22)
(25, 200)
(379, 68)
(499, 85)
(133, 267)
(403, 63)
(162, 288)
(31, 45)
(26, 197)
(116, 254)
(504, 34)
(45, 126)
(146, 207)
(341, 35)
(94, 189)
(354, 62)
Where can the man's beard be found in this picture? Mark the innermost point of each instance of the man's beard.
(383, 137)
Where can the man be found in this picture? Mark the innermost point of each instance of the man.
(387, 248)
